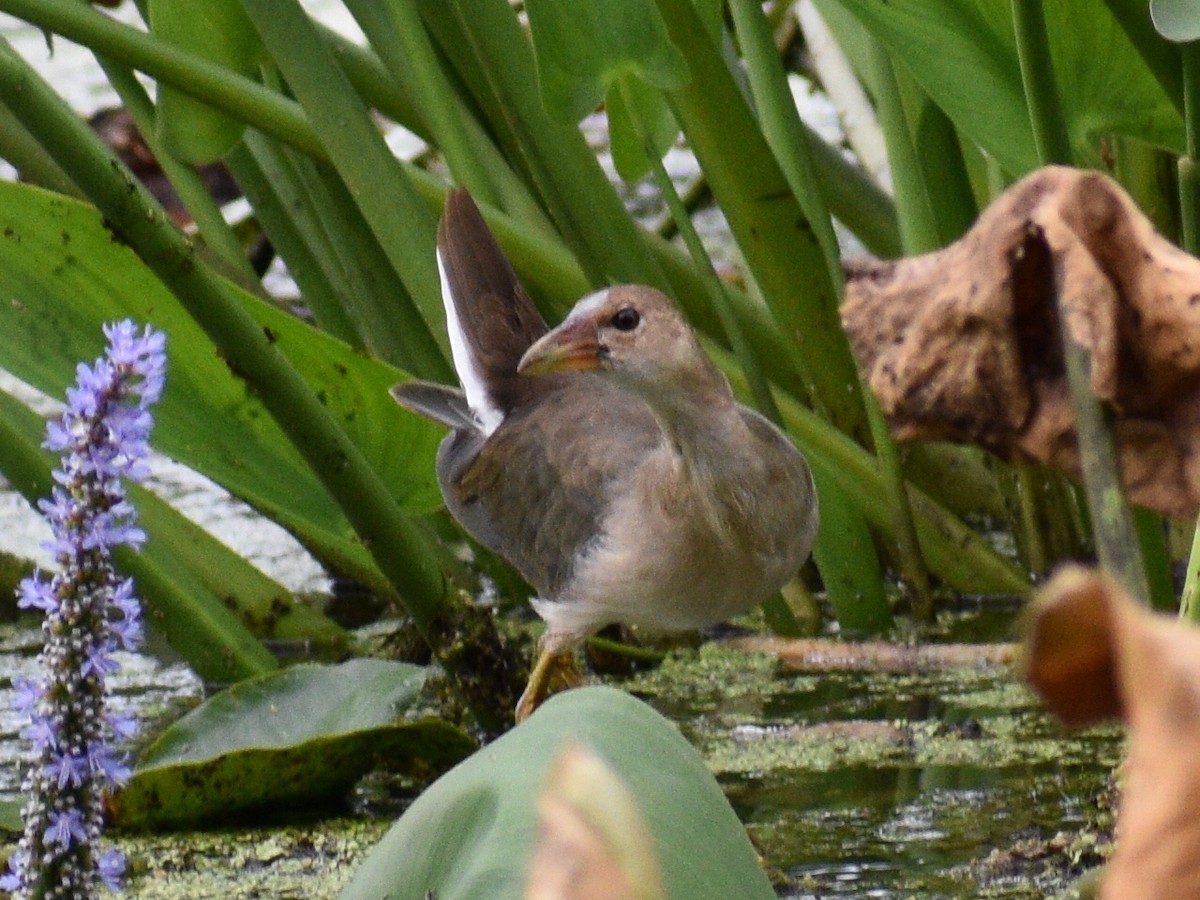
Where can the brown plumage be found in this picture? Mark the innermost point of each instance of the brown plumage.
(607, 459)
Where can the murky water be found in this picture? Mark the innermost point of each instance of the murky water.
(934, 784)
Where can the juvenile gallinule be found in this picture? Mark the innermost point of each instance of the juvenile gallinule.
(607, 459)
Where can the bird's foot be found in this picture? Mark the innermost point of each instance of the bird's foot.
(554, 671)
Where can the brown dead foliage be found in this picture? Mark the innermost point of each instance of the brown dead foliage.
(964, 344)
(1092, 653)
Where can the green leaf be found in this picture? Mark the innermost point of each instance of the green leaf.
(297, 736)
(1176, 20)
(472, 833)
(219, 31)
(584, 48)
(63, 274)
(651, 109)
(964, 56)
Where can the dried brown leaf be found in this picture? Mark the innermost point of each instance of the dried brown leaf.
(1092, 652)
(964, 344)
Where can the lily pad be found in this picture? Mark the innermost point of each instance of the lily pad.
(291, 738)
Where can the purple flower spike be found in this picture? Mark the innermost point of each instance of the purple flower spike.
(89, 613)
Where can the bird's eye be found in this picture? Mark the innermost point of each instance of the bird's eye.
(626, 319)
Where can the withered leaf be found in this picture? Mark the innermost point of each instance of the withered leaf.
(1093, 653)
(965, 343)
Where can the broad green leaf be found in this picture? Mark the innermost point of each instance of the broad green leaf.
(63, 274)
(472, 833)
(293, 737)
(219, 31)
(964, 56)
(584, 48)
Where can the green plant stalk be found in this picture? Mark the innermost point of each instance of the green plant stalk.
(395, 543)
(785, 136)
(485, 37)
(1041, 91)
(780, 248)
(1189, 207)
(401, 223)
(918, 229)
(387, 90)
(1152, 538)
(944, 177)
(778, 613)
(205, 212)
(1112, 521)
(27, 157)
(389, 323)
(242, 98)
(266, 173)
(397, 33)
(782, 127)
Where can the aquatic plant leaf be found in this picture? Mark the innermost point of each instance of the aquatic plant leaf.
(193, 131)
(474, 831)
(63, 274)
(295, 737)
(964, 57)
(964, 344)
(1093, 653)
(583, 48)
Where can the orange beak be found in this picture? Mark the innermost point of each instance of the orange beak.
(570, 347)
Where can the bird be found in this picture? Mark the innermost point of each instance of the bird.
(607, 458)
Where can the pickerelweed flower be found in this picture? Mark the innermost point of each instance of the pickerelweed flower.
(89, 612)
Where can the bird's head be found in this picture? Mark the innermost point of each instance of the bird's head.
(632, 331)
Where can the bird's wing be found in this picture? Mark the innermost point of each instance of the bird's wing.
(438, 402)
(490, 319)
(539, 489)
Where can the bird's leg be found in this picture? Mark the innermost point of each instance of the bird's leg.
(555, 669)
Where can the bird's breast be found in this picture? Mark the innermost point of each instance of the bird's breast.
(683, 548)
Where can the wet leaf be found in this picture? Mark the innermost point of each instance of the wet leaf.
(474, 832)
(299, 736)
(964, 343)
(1094, 653)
